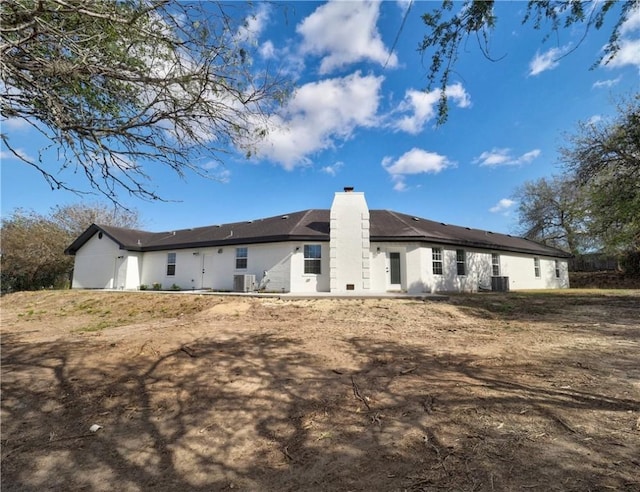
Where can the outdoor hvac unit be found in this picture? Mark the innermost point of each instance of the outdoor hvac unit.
(500, 284)
(244, 283)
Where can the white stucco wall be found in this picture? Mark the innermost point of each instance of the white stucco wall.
(349, 249)
(412, 267)
(521, 272)
(279, 267)
(96, 264)
(154, 269)
(378, 262)
(417, 269)
(304, 282)
(270, 263)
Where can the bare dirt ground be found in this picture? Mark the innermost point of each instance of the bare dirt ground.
(486, 392)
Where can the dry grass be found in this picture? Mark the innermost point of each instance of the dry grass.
(519, 391)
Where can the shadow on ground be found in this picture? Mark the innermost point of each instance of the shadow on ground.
(259, 412)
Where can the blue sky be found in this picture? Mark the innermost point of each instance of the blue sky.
(360, 116)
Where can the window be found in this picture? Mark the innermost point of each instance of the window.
(171, 264)
(241, 258)
(536, 267)
(436, 254)
(557, 269)
(312, 258)
(461, 261)
(495, 264)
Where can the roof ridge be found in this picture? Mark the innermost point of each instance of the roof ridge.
(409, 225)
(102, 226)
(304, 216)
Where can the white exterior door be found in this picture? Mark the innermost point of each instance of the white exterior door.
(206, 280)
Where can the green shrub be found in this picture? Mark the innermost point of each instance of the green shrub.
(175, 287)
(144, 287)
(157, 286)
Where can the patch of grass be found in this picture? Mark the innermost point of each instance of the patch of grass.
(32, 312)
(97, 327)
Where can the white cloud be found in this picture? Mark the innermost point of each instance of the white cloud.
(344, 33)
(15, 124)
(254, 24)
(218, 171)
(415, 161)
(596, 118)
(319, 114)
(527, 157)
(267, 50)
(404, 4)
(422, 107)
(631, 23)
(502, 206)
(399, 183)
(21, 154)
(606, 83)
(333, 169)
(548, 60)
(629, 48)
(503, 157)
(628, 54)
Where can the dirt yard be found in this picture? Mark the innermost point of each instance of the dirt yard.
(486, 392)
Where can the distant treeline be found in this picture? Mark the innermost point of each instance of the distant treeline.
(602, 262)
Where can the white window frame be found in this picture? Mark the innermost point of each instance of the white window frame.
(536, 267)
(495, 264)
(171, 264)
(461, 263)
(242, 258)
(436, 261)
(557, 266)
(311, 261)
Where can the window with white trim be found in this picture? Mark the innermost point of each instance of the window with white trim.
(557, 269)
(536, 267)
(242, 255)
(312, 259)
(461, 261)
(171, 264)
(436, 255)
(495, 264)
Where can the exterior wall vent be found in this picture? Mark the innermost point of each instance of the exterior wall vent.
(244, 283)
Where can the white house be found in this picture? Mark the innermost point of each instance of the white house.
(347, 249)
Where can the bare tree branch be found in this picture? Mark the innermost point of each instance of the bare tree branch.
(449, 28)
(116, 85)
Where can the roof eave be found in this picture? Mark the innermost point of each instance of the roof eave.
(475, 244)
(236, 241)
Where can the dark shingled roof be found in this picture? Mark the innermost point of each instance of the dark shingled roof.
(313, 225)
